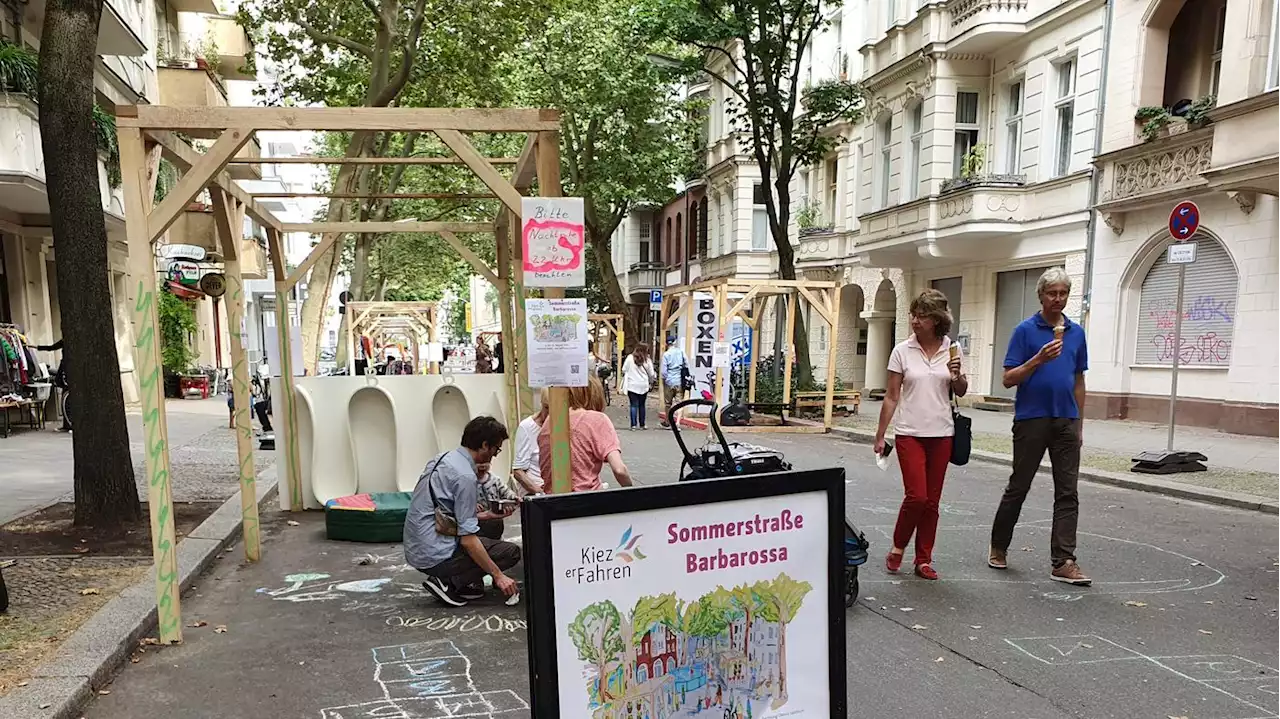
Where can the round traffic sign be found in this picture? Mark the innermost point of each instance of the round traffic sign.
(1184, 220)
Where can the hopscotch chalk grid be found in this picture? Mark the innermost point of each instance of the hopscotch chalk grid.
(1253, 688)
(429, 680)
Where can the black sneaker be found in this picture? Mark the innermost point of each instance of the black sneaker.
(471, 591)
(443, 592)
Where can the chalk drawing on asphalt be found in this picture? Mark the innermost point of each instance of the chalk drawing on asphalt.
(429, 680)
(1250, 685)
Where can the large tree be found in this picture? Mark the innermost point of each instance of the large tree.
(377, 53)
(780, 601)
(596, 633)
(627, 133)
(105, 492)
(756, 50)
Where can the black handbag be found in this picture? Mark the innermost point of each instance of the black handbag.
(962, 441)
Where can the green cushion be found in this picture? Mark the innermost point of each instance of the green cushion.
(383, 524)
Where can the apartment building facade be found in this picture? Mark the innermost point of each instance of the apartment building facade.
(1191, 114)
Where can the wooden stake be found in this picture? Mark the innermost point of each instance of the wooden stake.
(479, 164)
(832, 333)
(757, 311)
(548, 164)
(431, 336)
(518, 338)
(147, 361)
(792, 307)
(502, 238)
(227, 220)
(288, 408)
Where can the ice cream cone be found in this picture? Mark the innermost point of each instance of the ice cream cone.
(954, 349)
(1057, 332)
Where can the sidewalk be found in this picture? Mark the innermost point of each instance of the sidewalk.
(38, 464)
(1236, 462)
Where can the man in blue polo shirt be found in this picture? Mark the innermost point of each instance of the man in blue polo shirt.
(1046, 361)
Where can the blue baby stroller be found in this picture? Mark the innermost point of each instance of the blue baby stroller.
(855, 555)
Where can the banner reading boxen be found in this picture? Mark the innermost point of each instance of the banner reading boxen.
(716, 606)
(553, 239)
(706, 329)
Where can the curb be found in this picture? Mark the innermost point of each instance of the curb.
(62, 685)
(1136, 482)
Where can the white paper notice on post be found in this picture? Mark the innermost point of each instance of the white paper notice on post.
(553, 240)
(557, 336)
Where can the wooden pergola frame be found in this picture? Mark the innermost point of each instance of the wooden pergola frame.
(148, 132)
(416, 321)
(822, 296)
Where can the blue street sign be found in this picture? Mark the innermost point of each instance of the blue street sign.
(1184, 221)
(655, 299)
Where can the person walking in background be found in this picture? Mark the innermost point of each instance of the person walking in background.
(923, 373)
(637, 380)
(1046, 361)
(484, 357)
(674, 368)
(593, 442)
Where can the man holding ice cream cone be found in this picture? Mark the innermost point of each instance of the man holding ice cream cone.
(1046, 361)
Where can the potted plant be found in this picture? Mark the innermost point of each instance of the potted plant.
(809, 218)
(19, 68)
(177, 319)
(1156, 122)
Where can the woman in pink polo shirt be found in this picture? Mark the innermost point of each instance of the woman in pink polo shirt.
(923, 371)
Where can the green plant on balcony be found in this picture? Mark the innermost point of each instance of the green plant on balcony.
(1197, 113)
(1156, 120)
(19, 68)
(973, 162)
(809, 217)
(104, 129)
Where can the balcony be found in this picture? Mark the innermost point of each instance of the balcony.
(981, 26)
(1243, 162)
(120, 30)
(195, 227)
(234, 47)
(186, 84)
(1158, 172)
(645, 276)
(253, 259)
(743, 265)
(975, 219)
(824, 246)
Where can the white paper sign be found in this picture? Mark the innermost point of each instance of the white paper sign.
(435, 352)
(1182, 253)
(714, 604)
(722, 355)
(557, 337)
(553, 239)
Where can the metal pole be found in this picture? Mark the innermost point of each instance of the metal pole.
(1177, 353)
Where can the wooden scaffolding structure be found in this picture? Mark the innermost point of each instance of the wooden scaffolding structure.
(413, 321)
(149, 132)
(822, 296)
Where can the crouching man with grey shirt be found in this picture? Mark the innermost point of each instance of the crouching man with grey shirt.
(456, 566)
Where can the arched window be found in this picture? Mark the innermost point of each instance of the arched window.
(1208, 309)
(642, 673)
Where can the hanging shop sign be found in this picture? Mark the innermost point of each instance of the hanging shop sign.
(721, 596)
(195, 253)
(186, 273)
(556, 332)
(213, 284)
(553, 239)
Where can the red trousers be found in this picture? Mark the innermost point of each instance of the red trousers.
(924, 465)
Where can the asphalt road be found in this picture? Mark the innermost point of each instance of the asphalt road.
(1180, 622)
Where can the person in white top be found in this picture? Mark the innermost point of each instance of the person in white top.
(923, 372)
(525, 467)
(637, 379)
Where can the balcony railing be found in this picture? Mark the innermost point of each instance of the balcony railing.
(1150, 171)
(645, 276)
(962, 10)
(960, 183)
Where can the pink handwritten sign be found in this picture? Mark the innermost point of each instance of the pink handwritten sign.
(553, 239)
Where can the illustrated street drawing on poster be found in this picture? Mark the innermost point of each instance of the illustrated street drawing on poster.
(556, 331)
(695, 611)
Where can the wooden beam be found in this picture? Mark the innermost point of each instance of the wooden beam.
(380, 195)
(547, 161)
(463, 148)
(144, 309)
(384, 119)
(318, 160)
(182, 156)
(471, 257)
(792, 307)
(820, 306)
(318, 228)
(275, 251)
(757, 311)
(195, 179)
(742, 303)
(833, 297)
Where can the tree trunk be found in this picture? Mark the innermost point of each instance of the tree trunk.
(105, 493)
(787, 270)
(603, 253)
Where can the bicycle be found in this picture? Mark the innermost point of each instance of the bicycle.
(604, 371)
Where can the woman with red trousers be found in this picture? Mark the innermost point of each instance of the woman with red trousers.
(923, 372)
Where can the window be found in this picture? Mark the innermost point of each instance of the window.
(699, 248)
(911, 171)
(1273, 53)
(725, 226)
(759, 219)
(804, 186)
(1208, 309)
(966, 129)
(833, 189)
(1013, 129)
(890, 13)
(1219, 35)
(884, 132)
(1065, 109)
(645, 236)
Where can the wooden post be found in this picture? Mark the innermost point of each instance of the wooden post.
(548, 165)
(227, 220)
(432, 336)
(757, 312)
(147, 363)
(288, 409)
(833, 305)
(790, 344)
(660, 348)
(502, 238)
(518, 338)
(350, 341)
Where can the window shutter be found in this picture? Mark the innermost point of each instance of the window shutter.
(1208, 309)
